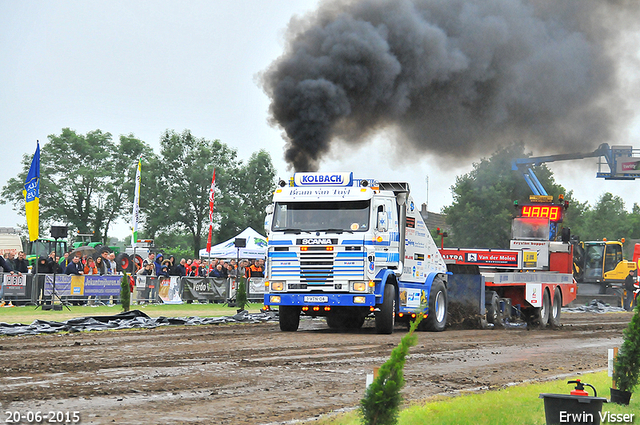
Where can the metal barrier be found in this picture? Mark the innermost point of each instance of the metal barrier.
(255, 289)
(29, 289)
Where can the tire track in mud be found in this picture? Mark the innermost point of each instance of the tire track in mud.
(253, 373)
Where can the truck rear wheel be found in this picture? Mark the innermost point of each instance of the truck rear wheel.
(386, 316)
(436, 321)
(556, 309)
(289, 318)
(345, 320)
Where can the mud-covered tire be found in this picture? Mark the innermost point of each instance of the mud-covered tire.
(386, 314)
(492, 304)
(542, 314)
(289, 318)
(436, 321)
(556, 309)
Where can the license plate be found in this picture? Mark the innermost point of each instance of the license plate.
(316, 299)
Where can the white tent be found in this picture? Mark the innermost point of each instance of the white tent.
(256, 247)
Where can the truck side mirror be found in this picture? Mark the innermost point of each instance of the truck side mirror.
(383, 222)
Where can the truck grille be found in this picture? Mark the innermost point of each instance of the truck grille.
(316, 267)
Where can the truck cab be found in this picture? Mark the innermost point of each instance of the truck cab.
(346, 249)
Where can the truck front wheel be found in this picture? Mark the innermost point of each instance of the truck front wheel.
(386, 316)
(436, 321)
(289, 318)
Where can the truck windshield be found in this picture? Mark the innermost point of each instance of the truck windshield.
(530, 228)
(348, 216)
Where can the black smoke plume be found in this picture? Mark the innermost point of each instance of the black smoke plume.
(451, 77)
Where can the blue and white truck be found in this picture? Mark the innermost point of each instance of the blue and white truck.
(346, 249)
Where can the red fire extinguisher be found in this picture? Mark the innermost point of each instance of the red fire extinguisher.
(579, 389)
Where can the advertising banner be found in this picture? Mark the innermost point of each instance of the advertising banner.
(101, 285)
(628, 165)
(197, 288)
(482, 258)
(170, 290)
(74, 285)
(14, 285)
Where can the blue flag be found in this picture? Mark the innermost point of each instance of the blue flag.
(32, 196)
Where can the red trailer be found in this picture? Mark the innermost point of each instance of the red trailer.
(533, 279)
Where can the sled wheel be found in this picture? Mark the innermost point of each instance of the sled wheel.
(556, 309)
(493, 307)
(545, 311)
(386, 315)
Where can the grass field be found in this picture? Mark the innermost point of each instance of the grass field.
(512, 405)
(27, 314)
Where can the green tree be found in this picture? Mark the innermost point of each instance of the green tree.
(257, 183)
(482, 208)
(85, 182)
(184, 170)
(607, 219)
(381, 402)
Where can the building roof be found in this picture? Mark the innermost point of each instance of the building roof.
(433, 220)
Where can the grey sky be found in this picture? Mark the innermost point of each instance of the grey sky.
(143, 67)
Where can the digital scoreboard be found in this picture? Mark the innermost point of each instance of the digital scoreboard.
(552, 212)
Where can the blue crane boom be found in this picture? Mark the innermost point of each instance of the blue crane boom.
(623, 163)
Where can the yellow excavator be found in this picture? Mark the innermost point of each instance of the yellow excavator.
(600, 269)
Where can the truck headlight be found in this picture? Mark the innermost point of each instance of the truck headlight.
(359, 300)
(274, 299)
(359, 286)
(277, 286)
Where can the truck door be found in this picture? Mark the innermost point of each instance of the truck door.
(386, 241)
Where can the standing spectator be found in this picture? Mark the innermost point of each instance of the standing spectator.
(629, 286)
(172, 266)
(158, 263)
(256, 270)
(101, 266)
(75, 267)
(90, 267)
(242, 268)
(151, 257)
(22, 266)
(164, 270)
(55, 265)
(147, 270)
(107, 264)
(45, 266)
(64, 261)
(232, 271)
(181, 269)
(217, 272)
(112, 262)
(11, 260)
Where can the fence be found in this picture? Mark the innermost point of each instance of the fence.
(29, 289)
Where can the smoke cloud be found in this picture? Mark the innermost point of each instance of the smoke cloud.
(454, 78)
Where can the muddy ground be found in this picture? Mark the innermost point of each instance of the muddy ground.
(255, 374)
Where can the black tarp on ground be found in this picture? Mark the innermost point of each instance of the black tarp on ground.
(128, 320)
